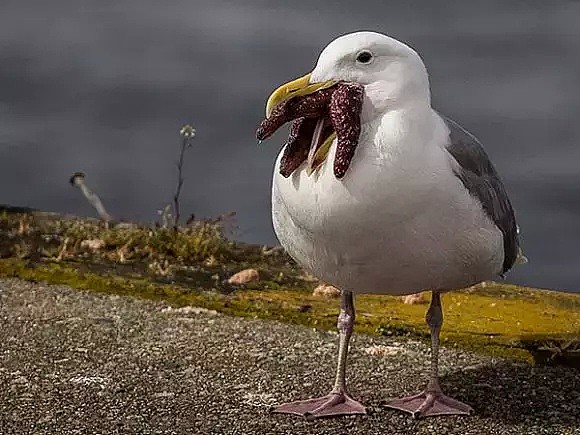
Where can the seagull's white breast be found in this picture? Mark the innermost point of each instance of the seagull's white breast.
(399, 222)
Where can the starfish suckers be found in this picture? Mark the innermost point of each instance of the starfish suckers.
(320, 113)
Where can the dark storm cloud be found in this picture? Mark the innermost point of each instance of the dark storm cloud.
(105, 86)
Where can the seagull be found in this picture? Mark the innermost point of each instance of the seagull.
(421, 206)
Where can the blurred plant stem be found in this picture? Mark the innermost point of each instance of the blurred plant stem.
(187, 133)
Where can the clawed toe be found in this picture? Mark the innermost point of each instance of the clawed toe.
(332, 405)
(428, 404)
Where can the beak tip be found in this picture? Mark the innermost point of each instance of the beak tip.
(285, 92)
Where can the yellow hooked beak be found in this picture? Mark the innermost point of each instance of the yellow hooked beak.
(295, 88)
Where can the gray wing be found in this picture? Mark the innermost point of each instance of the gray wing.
(479, 176)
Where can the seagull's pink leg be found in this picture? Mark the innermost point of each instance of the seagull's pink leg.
(432, 401)
(338, 402)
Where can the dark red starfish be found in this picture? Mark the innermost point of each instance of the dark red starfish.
(338, 107)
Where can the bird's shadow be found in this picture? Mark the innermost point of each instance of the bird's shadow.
(515, 392)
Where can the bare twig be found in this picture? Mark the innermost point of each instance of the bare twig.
(63, 249)
(187, 133)
(123, 250)
(78, 180)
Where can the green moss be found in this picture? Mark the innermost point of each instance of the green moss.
(478, 322)
(190, 267)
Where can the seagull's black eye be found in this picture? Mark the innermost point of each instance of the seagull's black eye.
(364, 57)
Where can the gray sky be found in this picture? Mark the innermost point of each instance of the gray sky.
(104, 86)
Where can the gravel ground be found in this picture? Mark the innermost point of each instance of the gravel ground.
(79, 362)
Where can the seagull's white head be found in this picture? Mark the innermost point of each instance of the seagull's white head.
(391, 72)
(392, 77)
